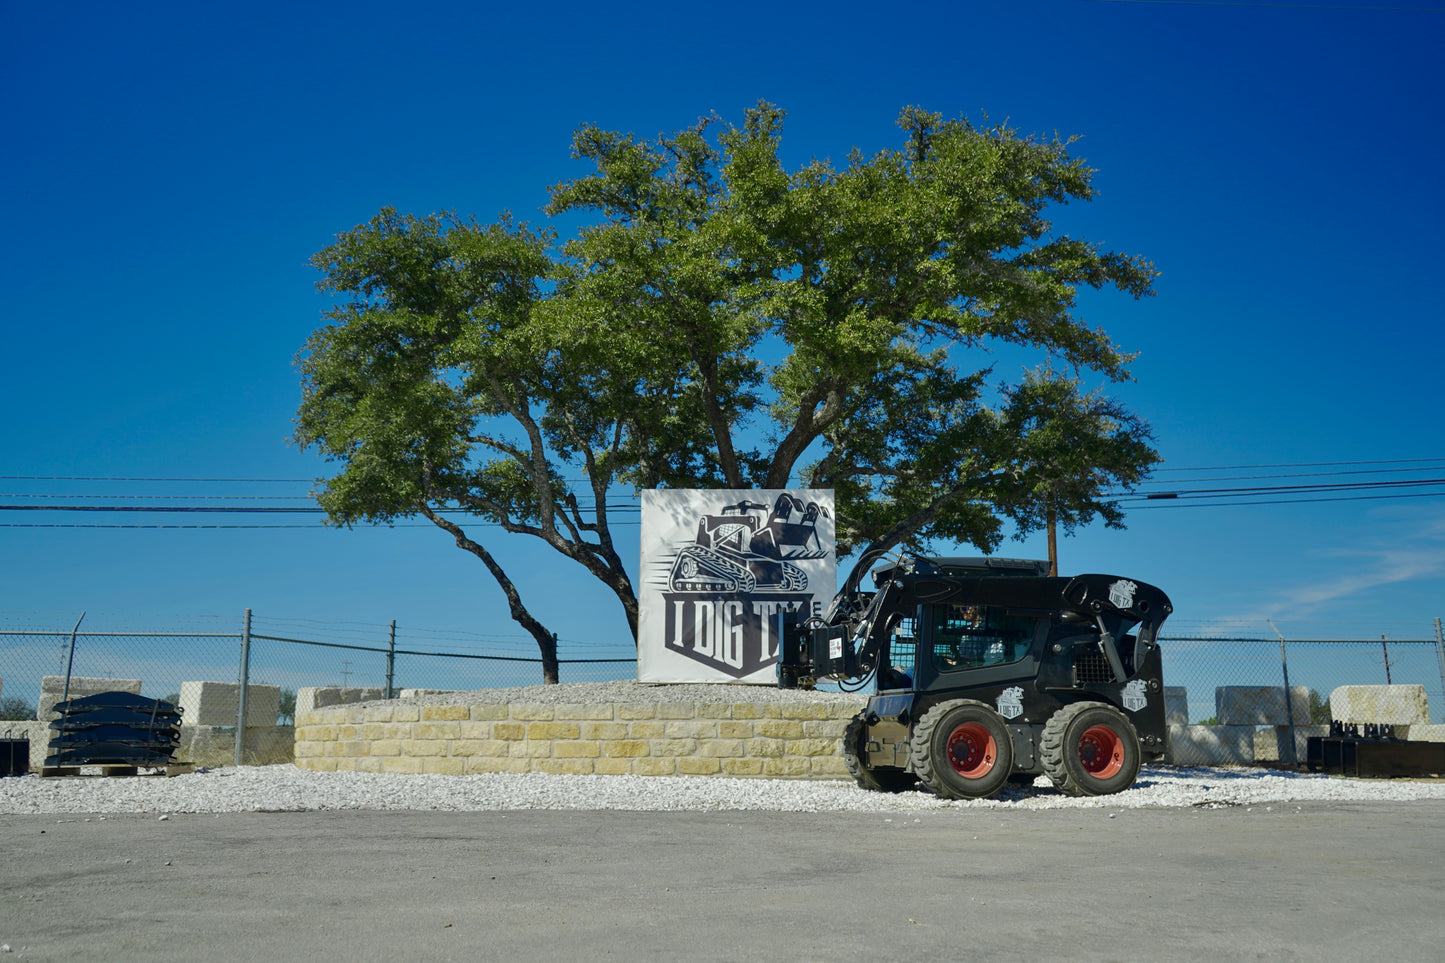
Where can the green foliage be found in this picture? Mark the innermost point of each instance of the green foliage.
(286, 712)
(1319, 710)
(723, 321)
(16, 709)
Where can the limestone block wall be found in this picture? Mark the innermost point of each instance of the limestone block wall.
(787, 740)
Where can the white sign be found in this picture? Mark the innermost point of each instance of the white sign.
(721, 570)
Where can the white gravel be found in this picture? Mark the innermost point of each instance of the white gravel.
(285, 788)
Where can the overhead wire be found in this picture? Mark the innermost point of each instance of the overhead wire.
(625, 508)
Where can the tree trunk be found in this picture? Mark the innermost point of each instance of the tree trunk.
(546, 641)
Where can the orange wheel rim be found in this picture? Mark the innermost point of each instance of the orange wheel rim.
(1101, 752)
(972, 750)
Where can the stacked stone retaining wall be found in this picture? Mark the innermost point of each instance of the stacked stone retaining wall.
(797, 740)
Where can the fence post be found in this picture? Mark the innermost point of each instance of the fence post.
(245, 675)
(1288, 701)
(1440, 653)
(391, 661)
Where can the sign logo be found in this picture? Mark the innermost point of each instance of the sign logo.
(723, 572)
(1136, 695)
(1011, 702)
(1121, 594)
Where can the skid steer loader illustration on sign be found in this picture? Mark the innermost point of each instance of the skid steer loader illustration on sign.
(744, 550)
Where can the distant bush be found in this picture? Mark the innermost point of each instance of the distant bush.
(16, 709)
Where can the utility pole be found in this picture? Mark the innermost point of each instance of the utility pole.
(345, 672)
(1386, 650)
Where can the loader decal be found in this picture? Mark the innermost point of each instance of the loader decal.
(1011, 702)
(1135, 696)
(1121, 594)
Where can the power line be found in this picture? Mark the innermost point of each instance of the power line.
(291, 481)
(1187, 503)
(1310, 474)
(314, 528)
(258, 498)
(1311, 464)
(1279, 6)
(1279, 489)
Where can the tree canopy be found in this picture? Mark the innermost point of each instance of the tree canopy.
(722, 321)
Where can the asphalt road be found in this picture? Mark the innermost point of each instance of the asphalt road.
(1318, 881)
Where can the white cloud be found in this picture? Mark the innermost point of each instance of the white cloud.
(1402, 546)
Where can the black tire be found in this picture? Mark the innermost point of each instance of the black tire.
(874, 780)
(1090, 749)
(961, 749)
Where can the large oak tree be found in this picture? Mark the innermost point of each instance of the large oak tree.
(722, 321)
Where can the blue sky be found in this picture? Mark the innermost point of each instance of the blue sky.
(169, 168)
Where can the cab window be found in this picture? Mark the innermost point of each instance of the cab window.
(971, 636)
(901, 654)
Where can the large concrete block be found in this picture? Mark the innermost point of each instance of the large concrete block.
(1176, 705)
(215, 704)
(53, 690)
(1424, 733)
(1271, 744)
(311, 698)
(1392, 705)
(1211, 745)
(413, 693)
(1261, 705)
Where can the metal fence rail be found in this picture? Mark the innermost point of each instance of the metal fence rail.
(1201, 665)
(164, 660)
(273, 653)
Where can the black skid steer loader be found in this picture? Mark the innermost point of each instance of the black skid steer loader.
(987, 670)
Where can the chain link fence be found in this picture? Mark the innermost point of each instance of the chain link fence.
(1204, 665)
(297, 654)
(289, 655)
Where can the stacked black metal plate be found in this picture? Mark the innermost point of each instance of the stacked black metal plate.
(114, 729)
(14, 757)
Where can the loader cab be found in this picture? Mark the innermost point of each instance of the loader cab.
(898, 662)
(967, 645)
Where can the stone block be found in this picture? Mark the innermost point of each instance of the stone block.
(413, 693)
(1210, 745)
(1271, 744)
(1392, 705)
(1261, 705)
(215, 704)
(1423, 733)
(742, 767)
(52, 691)
(311, 698)
(1176, 705)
